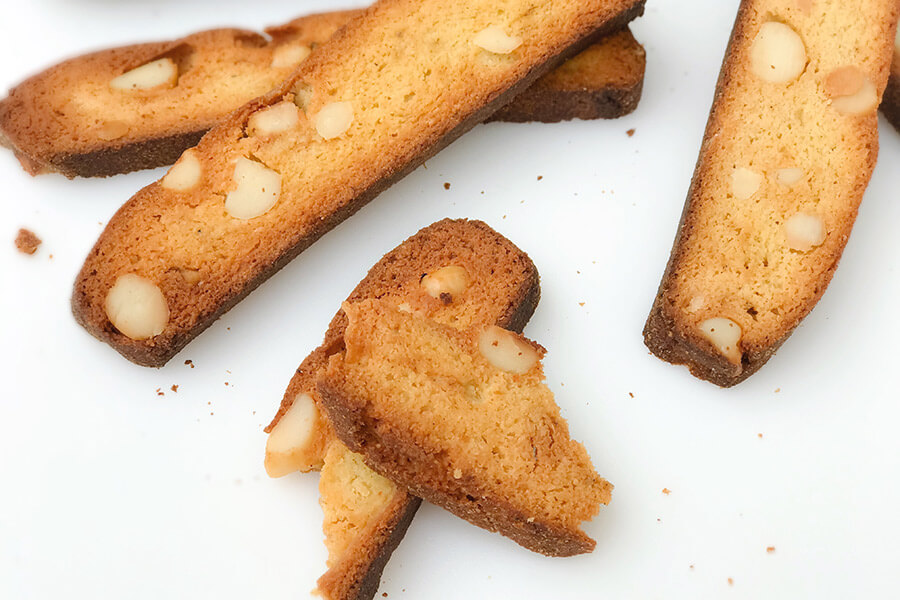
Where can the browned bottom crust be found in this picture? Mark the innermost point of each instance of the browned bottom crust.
(548, 106)
(890, 103)
(388, 453)
(357, 575)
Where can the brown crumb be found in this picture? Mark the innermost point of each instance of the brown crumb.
(770, 549)
(384, 595)
(730, 581)
(777, 390)
(692, 566)
(581, 304)
(759, 435)
(630, 132)
(631, 394)
(174, 388)
(189, 363)
(666, 491)
(446, 185)
(159, 392)
(27, 242)
(540, 177)
(226, 383)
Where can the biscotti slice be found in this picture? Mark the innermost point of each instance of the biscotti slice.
(366, 516)
(109, 130)
(789, 149)
(391, 88)
(602, 82)
(455, 271)
(140, 106)
(458, 272)
(890, 104)
(463, 420)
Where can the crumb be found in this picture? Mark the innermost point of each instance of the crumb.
(210, 414)
(226, 383)
(692, 567)
(254, 412)
(777, 390)
(50, 257)
(446, 185)
(770, 549)
(581, 304)
(630, 132)
(631, 394)
(759, 435)
(228, 329)
(658, 520)
(504, 216)
(174, 388)
(730, 581)
(189, 363)
(384, 595)
(540, 177)
(159, 392)
(27, 242)
(666, 491)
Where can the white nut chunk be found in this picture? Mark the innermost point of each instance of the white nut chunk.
(851, 91)
(725, 335)
(507, 351)
(136, 307)
(804, 232)
(777, 55)
(334, 119)
(286, 448)
(452, 280)
(274, 119)
(789, 176)
(745, 183)
(184, 174)
(258, 189)
(289, 55)
(494, 39)
(161, 72)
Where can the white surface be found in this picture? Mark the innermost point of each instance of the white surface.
(108, 490)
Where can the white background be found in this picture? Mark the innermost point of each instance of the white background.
(108, 490)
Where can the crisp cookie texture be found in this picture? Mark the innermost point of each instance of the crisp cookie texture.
(788, 152)
(70, 118)
(890, 104)
(106, 131)
(603, 82)
(362, 526)
(431, 408)
(415, 82)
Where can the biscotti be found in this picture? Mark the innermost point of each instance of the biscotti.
(140, 106)
(74, 118)
(788, 151)
(390, 89)
(462, 419)
(454, 271)
(890, 104)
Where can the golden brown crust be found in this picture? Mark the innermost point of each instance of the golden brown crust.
(159, 233)
(890, 104)
(730, 258)
(173, 120)
(602, 82)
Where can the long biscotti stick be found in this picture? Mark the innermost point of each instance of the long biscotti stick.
(457, 272)
(76, 118)
(463, 420)
(390, 89)
(788, 152)
(890, 104)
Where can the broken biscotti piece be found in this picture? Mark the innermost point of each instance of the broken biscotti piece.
(890, 104)
(139, 107)
(463, 420)
(788, 152)
(454, 271)
(457, 272)
(390, 89)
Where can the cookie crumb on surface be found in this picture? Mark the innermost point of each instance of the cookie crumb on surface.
(730, 581)
(540, 177)
(630, 132)
(159, 392)
(189, 363)
(759, 435)
(666, 491)
(631, 394)
(770, 549)
(446, 185)
(27, 242)
(174, 387)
